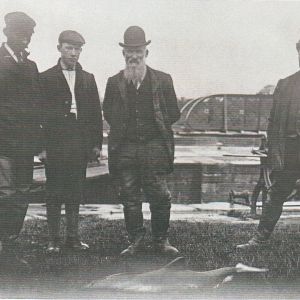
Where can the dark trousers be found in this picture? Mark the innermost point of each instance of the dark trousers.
(65, 172)
(283, 184)
(64, 185)
(141, 169)
(15, 182)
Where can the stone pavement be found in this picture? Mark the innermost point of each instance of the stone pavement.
(205, 212)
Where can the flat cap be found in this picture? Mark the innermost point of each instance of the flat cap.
(72, 37)
(18, 20)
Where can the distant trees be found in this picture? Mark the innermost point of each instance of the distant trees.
(267, 90)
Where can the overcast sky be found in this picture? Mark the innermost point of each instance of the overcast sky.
(207, 46)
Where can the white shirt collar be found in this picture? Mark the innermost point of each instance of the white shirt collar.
(64, 67)
(142, 79)
(11, 52)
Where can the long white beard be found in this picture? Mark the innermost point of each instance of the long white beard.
(135, 73)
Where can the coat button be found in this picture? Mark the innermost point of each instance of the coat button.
(66, 102)
(66, 115)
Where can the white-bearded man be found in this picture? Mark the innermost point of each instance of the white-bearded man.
(140, 106)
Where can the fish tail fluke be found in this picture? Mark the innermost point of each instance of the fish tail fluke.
(241, 268)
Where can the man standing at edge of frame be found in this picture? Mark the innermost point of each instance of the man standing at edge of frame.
(73, 129)
(20, 119)
(283, 135)
(140, 105)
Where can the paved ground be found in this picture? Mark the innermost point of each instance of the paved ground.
(206, 212)
(212, 212)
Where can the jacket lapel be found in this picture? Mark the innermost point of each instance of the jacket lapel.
(154, 81)
(79, 85)
(7, 60)
(156, 97)
(61, 80)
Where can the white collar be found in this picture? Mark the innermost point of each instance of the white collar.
(64, 67)
(11, 52)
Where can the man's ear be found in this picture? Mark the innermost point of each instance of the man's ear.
(147, 52)
(123, 52)
(59, 47)
(5, 31)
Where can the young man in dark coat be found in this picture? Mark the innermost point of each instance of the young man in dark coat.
(140, 106)
(283, 154)
(73, 127)
(20, 113)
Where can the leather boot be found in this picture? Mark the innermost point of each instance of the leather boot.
(162, 246)
(136, 246)
(53, 219)
(72, 241)
(160, 219)
(133, 216)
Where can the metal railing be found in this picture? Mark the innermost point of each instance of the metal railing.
(226, 112)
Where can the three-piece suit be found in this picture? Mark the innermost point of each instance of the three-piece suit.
(141, 146)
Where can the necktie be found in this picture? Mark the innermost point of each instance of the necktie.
(19, 57)
(135, 84)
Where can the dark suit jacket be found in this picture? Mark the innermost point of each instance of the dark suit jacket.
(20, 106)
(115, 109)
(284, 119)
(57, 106)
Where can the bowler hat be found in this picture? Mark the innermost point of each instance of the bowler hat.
(134, 36)
(19, 21)
(72, 37)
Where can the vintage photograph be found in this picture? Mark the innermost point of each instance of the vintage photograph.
(149, 149)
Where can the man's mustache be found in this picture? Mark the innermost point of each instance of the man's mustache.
(133, 60)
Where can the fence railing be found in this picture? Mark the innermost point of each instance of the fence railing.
(226, 112)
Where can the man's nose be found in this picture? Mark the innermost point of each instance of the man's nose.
(73, 52)
(25, 41)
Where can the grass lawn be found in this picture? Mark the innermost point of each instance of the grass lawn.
(205, 245)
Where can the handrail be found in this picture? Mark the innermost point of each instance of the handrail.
(188, 108)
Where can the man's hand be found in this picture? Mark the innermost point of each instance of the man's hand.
(95, 154)
(43, 156)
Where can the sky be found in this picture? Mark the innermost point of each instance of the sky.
(207, 46)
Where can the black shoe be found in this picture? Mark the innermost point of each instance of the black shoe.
(162, 246)
(76, 245)
(252, 244)
(53, 248)
(135, 247)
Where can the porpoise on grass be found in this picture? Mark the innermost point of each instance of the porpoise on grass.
(168, 279)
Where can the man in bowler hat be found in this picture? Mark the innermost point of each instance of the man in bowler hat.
(20, 113)
(283, 135)
(73, 129)
(140, 106)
